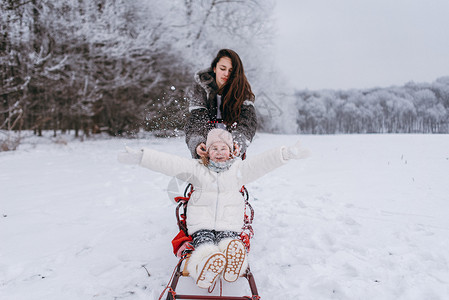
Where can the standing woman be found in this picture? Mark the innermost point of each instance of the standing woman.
(221, 98)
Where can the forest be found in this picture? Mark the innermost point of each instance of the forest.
(119, 67)
(116, 66)
(412, 108)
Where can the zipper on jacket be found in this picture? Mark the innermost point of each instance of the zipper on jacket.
(216, 204)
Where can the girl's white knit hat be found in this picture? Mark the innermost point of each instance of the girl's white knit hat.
(219, 135)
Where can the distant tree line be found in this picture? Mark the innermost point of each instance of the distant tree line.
(412, 108)
(115, 66)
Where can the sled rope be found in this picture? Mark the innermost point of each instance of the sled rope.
(168, 287)
(212, 288)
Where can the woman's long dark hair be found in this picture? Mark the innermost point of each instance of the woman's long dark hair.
(236, 90)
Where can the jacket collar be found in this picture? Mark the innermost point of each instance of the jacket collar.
(206, 79)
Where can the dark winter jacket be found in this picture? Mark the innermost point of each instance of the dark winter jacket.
(202, 117)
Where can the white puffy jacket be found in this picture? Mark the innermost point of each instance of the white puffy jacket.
(216, 203)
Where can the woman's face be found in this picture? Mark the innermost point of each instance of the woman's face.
(219, 152)
(223, 71)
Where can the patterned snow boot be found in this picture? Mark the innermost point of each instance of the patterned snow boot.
(236, 260)
(213, 267)
(205, 264)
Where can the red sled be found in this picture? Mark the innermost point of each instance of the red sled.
(182, 249)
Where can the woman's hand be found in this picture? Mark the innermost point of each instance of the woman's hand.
(201, 150)
(236, 152)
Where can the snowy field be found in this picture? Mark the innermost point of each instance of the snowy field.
(366, 217)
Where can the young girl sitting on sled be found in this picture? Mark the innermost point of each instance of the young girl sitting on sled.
(216, 206)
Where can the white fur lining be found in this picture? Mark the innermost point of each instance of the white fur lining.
(223, 244)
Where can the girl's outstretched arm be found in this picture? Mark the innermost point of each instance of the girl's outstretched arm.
(261, 164)
(168, 164)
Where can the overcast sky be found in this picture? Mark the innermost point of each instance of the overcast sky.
(343, 44)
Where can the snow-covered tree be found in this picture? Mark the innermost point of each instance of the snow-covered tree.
(411, 108)
(83, 64)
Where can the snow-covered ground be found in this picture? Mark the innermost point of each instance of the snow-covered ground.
(366, 217)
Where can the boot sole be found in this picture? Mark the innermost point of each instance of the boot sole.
(235, 256)
(213, 267)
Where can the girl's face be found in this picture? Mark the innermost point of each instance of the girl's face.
(223, 71)
(219, 152)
